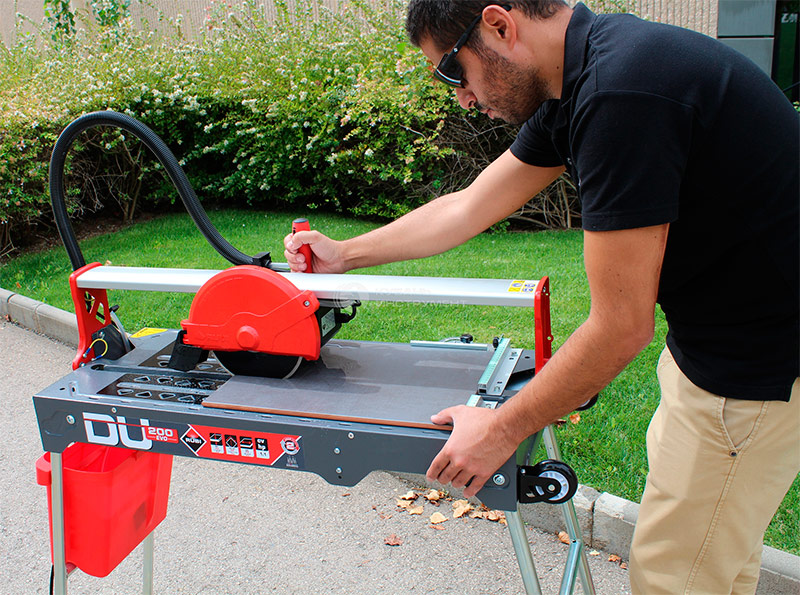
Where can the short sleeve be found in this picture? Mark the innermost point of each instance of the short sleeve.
(534, 143)
(630, 152)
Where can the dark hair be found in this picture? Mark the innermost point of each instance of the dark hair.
(445, 20)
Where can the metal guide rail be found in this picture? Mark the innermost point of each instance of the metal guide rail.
(430, 290)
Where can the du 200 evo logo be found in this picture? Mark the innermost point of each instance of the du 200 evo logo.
(139, 434)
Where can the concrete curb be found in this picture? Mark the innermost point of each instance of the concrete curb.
(39, 317)
(614, 519)
(606, 520)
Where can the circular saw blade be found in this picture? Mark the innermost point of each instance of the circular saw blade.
(254, 363)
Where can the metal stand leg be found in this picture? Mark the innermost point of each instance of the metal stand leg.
(57, 511)
(577, 552)
(523, 550)
(147, 587)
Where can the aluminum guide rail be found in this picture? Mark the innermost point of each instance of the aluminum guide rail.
(434, 290)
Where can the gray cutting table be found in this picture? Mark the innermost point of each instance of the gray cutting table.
(363, 406)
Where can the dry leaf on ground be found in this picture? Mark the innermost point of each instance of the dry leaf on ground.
(434, 495)
(437, 517)
(563, 537)
(496, 516)
(392, 540)
(460, 508)
(574, 418)
(614, 558)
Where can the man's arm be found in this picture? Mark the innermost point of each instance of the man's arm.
(445, 222)
(623, 268)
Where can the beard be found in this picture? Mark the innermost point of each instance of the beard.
(515, 93)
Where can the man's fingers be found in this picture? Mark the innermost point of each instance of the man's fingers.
(461, 479)
(438, 467)
(442, 460)
(476, 485)
(293, 242)
(444, 417)
(295, 260)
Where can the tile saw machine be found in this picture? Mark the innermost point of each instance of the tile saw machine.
(254, 374)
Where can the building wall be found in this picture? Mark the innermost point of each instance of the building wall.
(700, 15)
(192, 12)
(32, 9)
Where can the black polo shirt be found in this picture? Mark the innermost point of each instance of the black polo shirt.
(657, 124)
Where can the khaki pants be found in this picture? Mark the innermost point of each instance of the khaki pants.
(719, 469)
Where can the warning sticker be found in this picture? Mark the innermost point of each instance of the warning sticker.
(279, 450)
(231, 444)
(215, 438)
(222, 444)
(262, 448)
(522, 286)
(246, 446)
(147, 331)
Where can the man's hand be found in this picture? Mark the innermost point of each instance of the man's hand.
(475, 450)
(326, 253)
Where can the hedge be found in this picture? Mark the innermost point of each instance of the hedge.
(331, 111)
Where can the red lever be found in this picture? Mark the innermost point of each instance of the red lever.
(302, 224)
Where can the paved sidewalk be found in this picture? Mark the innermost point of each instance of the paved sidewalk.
(238, 529)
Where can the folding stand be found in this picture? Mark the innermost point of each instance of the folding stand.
(577, 564)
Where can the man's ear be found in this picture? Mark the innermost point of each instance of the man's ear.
(499, 26)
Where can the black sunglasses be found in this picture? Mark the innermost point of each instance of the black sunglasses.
(449, 70)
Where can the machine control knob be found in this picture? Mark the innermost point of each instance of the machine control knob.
(247, 337)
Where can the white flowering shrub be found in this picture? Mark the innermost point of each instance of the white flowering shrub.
(311, 108)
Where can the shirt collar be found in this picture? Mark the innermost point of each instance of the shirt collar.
(575, 48)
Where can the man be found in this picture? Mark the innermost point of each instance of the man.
(686, 159)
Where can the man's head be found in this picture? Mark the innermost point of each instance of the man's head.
(443, 21)
(487, 73)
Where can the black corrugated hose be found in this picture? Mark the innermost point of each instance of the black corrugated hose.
(167, 159)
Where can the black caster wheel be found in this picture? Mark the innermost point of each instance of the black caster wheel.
(560, 472)
(588, 404)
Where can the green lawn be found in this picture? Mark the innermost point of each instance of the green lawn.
(606, 447)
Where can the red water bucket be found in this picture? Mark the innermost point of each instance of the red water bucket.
(113, 499)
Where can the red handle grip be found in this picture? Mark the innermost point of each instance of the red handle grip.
(302, 224)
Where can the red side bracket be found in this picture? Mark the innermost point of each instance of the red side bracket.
(91, 309)
(543, 331)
